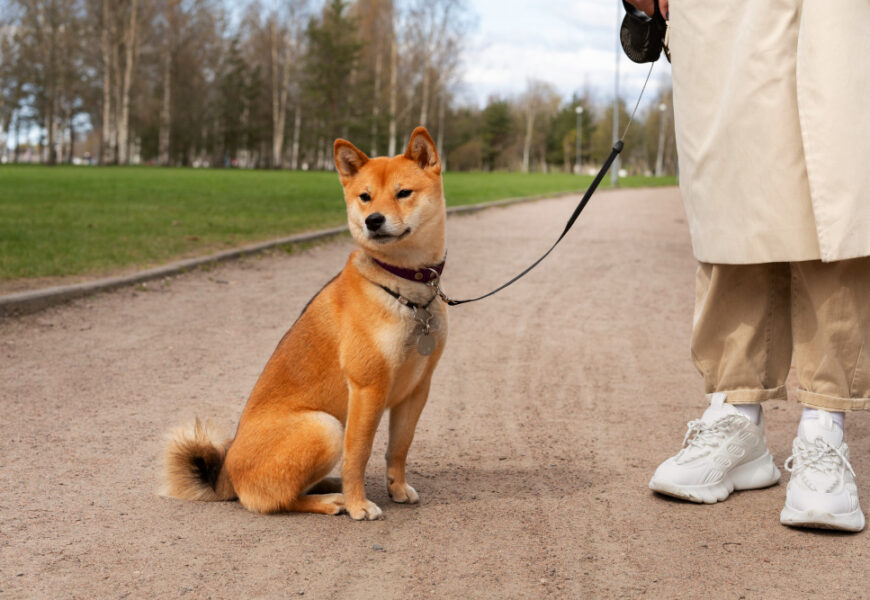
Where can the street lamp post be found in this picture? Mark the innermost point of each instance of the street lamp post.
(660, 156)
(578, 163)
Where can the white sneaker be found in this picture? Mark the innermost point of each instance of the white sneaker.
(821, 492)
(727, 452)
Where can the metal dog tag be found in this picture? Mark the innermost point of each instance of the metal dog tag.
(426, 344)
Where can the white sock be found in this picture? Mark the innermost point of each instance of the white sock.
(750, 411)
(837, 417)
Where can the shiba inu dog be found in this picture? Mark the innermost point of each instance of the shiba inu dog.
(367, 343)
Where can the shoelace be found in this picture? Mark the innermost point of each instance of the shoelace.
(819, 456)
(706, 434)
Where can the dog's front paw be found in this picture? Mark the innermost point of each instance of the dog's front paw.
(365, 511)
(402, 493)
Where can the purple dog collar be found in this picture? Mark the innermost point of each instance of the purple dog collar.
(424, 275)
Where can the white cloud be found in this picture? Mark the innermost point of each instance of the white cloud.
(568, 43)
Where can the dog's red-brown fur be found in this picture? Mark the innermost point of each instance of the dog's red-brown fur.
(349, 357)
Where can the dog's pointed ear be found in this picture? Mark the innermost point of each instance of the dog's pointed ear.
(348, 158)
(421, 149)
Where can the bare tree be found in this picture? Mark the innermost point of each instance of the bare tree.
(129, 41)
(41, 34)
(163, 138)
(437, 33)
(11, 79)
(280, 81)
(431, 19)
(539, 102)
(297, 133)
(107, 35)
(394, 87)
(285, 33)
(375, 22)
(659, 133)
(187, 47)
(195, 82)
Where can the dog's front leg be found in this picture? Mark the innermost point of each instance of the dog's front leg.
(403, 423)
(365, 407)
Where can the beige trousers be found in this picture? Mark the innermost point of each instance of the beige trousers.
(751, 321)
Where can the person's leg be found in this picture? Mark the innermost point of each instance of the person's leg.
(831, 328)
(741, 344)
(831, 324)
(741, 339)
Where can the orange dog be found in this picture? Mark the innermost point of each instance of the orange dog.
(368, 342)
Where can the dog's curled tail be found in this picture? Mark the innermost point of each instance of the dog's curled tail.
(194, 465)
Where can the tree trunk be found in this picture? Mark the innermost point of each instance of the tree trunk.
(285, 88)
(280, 81)
(394, 93)
(124, 117)
(297, 127)
(49, 156)
(115, 104)
(165, 108)
(660, 155)
(17, 146)
(105, 140)
(442, 110)
(527, 143)
(51, 97)
(566, 155)
(10, 115)
(6, 129)
(427, 84)
(72, 139)
(376, 100)
(165, 131)
(276, 93)
(318, 156)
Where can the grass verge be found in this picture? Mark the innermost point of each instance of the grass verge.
(62, 221)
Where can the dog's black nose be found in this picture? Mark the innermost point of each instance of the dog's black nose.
(374, 221)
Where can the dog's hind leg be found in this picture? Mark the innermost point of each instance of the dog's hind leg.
(273, 465)
(325, 504)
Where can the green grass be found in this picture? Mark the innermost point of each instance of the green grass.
(76, 220)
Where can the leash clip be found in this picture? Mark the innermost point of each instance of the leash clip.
(435, 284)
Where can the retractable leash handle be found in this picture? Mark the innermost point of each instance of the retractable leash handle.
(435, 282)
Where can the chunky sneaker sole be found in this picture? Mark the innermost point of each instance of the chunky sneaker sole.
(817, 519)
(755, 474)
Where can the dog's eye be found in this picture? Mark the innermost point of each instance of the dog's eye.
(365, 197)
(404, 194)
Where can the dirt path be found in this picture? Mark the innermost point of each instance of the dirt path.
(551, 408)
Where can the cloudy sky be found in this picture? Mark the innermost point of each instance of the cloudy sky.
(568, 43)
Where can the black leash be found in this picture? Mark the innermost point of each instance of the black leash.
(617, 148)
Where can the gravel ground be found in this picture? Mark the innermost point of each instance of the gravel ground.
(553, 404)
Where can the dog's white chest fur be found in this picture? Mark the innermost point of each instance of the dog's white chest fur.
(398, 339)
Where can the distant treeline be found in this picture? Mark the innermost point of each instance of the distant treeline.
(271, 84)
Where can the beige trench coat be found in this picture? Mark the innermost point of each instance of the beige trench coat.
(772, 108)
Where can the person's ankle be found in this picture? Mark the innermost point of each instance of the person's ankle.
(750, 411)
(813, 413)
